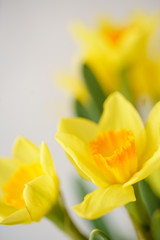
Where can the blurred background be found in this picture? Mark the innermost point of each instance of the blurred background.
(35, 45)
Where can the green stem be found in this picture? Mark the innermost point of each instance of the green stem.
(140, 217)
(142, 233)
(60, 217)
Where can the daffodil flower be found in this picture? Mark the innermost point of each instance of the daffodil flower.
(28, 182)
(114, 154)
(109, 47)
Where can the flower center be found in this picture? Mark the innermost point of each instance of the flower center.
(115, 35)
(115, 154)
(13, 190)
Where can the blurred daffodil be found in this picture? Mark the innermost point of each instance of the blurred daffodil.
(144, 78)
(110, 47)
(114, 154)
(29, 184)
(122, 57)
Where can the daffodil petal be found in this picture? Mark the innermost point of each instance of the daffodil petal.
(25, 151)
(83, 129)
(74, 86)
(18, 217)
(153, 130)
(81, 156)
(118, 114)
(74, 127)
(102, 201)
(81, 173)
(7, 168)
(148, 167)
(85, 35)
(40, 195)
(46, 160)
(5, 210)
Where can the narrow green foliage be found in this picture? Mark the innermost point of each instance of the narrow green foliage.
(93, 113)
(96, 92)
(137, 212)
(156, 224)
(89, 111)
(124, 85)
(80, 110)
(150, 200)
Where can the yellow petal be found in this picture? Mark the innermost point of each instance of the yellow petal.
(80, 154)
(7, 168)
(74, 86)
(118, 114)
(84, 35)
(5, 210)
(153, 131)
(74, 127)
(46, 160)
(25, 151)
(18, 217)
(40, 195)
(81, 173)
(84, 129)
(10, 215)
(148, 167)
(65, 126)
(102, 201)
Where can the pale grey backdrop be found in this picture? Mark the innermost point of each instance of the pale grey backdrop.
(34, 45)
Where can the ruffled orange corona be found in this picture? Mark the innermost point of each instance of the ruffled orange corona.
(115, 154)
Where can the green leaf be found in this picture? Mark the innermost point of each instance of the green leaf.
(124, 85)
(98, 235)
(135, 210)
(80, 110)
(156, 224)
(96, 92)
(89, 111)
(92, 112)
(150, 200)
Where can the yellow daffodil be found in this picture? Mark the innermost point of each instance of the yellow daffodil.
(114, 154)
(122, 56)
(28, 182)
(110, 47)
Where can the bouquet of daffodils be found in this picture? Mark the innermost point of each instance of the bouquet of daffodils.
(115, 85)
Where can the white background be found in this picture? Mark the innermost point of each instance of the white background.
(35, 44)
